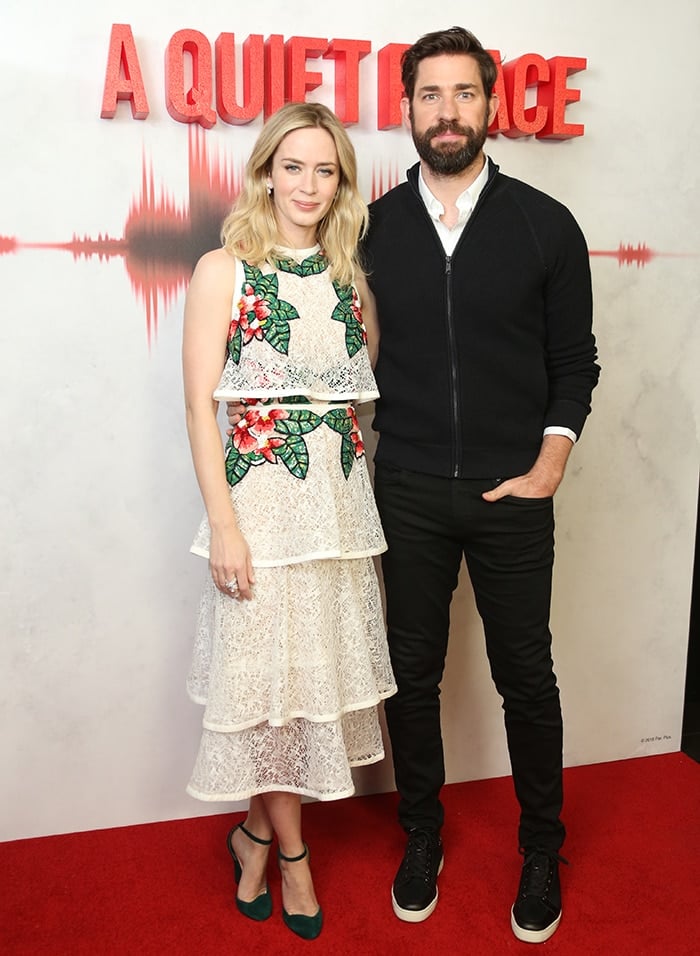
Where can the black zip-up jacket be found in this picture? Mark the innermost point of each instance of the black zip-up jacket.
(482, 350)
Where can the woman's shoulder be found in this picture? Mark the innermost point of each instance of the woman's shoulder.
(218, 262)
(214, 276)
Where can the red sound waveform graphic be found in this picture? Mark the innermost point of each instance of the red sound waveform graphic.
(639, 255)
(383, 180)
(162, 240)
(7, 244)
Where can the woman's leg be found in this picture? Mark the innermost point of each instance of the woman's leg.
(252, 856)
(284, 813)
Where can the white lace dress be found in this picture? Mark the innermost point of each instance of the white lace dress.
(291, 680)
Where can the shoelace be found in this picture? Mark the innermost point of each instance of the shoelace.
(419, 856)
(537, 869)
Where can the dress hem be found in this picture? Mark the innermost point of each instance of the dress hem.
(300, 559)
(295, 715)
(283, 788)
(230, 395)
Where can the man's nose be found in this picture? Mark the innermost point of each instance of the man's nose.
(448, 108)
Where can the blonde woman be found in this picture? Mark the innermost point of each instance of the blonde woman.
(290, 658)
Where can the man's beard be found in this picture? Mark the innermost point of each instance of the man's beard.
(450, 158)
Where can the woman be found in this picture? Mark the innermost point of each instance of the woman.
(290, 658)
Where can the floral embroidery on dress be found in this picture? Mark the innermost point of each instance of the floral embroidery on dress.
(344, 421)
(273, 434)
(311, 266)
(348, 311)
(261, 314)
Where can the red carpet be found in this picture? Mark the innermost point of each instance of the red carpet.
(633, 885)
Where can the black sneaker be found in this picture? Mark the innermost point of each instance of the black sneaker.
(414, 894)
(537, 910)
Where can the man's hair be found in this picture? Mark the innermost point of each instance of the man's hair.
(452, 42)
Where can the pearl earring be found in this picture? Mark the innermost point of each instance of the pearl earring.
(269, 189)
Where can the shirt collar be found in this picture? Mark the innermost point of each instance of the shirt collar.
(465, 201)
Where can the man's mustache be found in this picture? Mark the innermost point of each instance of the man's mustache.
(448, 126)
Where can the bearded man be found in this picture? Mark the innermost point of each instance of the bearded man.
(486, 368)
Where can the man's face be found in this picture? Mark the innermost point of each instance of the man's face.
(449, 114)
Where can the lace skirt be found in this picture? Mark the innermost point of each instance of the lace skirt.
(290, 682)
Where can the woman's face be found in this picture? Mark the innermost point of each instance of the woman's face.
(304, 177)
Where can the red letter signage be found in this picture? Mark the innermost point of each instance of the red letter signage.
(274, 73)
(123, 79)
(389, 86)
(555, 95)
(347, 55)
(227, 105)
(267, 73)
(299, 80)
(195, 105)
(529, 70)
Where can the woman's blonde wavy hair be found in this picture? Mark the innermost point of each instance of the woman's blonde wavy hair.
(250, 230)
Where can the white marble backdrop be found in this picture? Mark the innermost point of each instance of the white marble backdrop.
(97, 499)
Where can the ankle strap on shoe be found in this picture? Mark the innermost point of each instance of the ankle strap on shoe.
(253, 837)
(293, 859)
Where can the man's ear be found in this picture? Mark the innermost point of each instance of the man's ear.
(494, 103)
(405, 112)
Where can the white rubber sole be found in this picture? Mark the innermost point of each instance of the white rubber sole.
(533, 935)
(417, 916)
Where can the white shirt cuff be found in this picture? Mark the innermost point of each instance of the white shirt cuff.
(560, 430)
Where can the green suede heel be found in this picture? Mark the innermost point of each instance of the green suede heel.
(260, 908)
(308, 927)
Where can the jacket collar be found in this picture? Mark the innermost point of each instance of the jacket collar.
(412, 173)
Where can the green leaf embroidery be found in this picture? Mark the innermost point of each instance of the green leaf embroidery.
(237, 465)
(234, 345)
(347, 455)
(277, 335)
(294, 455)
(339, 420)
(343, 312)
(311, 266)
(267, 284)
(298, 422)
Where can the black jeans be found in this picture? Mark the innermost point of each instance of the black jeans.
(508, 545)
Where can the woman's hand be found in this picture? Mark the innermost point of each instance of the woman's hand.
(230, 562)
(235, 410)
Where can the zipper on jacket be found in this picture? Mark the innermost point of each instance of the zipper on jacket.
(452, 340)
(457, 452)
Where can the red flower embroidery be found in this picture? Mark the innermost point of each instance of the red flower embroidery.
(357, 314)
(355, 435)
(254, 434)
(253, 312)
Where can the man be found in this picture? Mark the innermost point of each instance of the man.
(486, 368)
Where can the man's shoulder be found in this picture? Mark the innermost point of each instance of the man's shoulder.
(529, 197)
(391, 213)
(391, 199)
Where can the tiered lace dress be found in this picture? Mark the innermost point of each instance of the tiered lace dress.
(291, 680)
